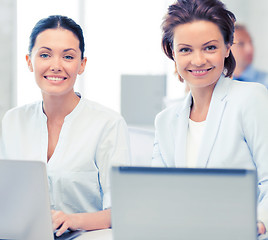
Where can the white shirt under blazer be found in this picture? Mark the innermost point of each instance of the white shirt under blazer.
(235, 134)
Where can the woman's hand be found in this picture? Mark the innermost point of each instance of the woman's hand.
(62, 222)
(85, 221)
(261, 228)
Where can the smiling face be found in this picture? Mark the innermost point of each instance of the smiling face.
(56, 61)
(199, 52)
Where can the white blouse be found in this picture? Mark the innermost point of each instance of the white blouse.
(92, 139)
(194, 137)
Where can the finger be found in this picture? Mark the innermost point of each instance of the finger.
(62, 229)
(57, 219)
(57, 222)
(261, 228)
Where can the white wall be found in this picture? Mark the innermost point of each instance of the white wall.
(122, 37)
(257, 22)
(8, 65)
(254, 14)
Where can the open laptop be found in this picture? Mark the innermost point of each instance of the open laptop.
(24, 201)
(183, 203)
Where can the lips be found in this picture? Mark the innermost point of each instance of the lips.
(53, 78)
(200, 72)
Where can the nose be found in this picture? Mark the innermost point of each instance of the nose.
(198, 59)
(56, 65)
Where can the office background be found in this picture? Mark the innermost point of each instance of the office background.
(122, 39)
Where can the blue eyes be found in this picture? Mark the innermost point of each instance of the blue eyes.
(210, 48)
(69, 57)
(185, 50)
(46, 55)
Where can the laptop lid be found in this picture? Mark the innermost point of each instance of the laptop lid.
(183, 203)
(24, 203)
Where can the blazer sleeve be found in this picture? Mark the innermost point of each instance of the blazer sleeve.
(255, 127)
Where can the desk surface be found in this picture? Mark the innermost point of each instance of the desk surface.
(105, 234)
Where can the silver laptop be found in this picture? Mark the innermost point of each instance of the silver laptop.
(24, 203)
(183, 203)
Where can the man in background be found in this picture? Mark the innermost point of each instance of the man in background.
(243, 51)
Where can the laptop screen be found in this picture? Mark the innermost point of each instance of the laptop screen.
(183, 203)
(24, 203)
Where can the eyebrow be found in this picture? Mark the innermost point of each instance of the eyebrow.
(210, 42)
(69, 49)
(187, 45)
(65, 50)
(184, 44)
(49, 49)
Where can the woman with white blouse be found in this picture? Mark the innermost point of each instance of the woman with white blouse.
(79, 139)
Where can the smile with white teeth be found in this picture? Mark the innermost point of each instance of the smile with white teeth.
(55, 78)
(200, 71)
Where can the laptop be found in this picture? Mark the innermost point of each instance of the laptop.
(183, 203)
(24, 203)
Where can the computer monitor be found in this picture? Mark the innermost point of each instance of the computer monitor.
(142, 98)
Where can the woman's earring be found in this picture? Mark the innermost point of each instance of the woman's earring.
(180, 78)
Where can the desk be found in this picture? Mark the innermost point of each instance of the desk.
(105, 234)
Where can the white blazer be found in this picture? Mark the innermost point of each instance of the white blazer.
(235, 134)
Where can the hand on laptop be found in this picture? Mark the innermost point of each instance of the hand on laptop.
(261, 228)
(62, 222)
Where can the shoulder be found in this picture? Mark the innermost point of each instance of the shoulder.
(170, 113)
(248, 99)
(96, 110)
(248, 91)
(22, 112)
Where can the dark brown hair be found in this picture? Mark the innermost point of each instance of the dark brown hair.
(57, 21)
(185, 11)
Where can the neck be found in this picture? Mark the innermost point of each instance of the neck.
(58, 107)
(201, 102)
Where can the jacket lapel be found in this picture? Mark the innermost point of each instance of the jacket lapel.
(213, 120)
(180, 132)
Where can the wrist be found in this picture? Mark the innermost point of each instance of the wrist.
(77, 221)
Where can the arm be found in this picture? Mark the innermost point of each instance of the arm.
(255, 118)
(112, 148)
(85, 221)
